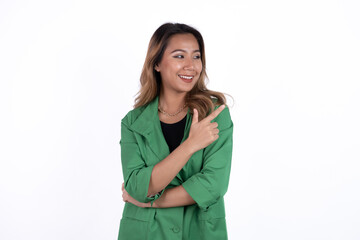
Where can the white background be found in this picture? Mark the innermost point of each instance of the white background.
(69, 72)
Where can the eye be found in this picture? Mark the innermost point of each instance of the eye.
(178, 56)
(197, 57)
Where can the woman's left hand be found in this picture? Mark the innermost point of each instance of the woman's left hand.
(127, 198)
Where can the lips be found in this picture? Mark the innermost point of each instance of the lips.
(186, 78)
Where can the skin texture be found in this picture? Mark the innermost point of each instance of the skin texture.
(181, 57)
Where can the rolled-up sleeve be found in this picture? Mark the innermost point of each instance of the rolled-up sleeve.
(210, 184)
(136, 172)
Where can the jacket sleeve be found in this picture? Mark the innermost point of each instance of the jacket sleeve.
(211, 183)
(135, 170)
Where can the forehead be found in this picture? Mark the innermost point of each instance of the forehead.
(183, 41)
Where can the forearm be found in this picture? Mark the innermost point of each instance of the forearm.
(174, 197)
(165, 171)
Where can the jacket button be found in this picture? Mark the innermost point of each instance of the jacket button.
(176, 229)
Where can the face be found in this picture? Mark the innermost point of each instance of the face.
(181, 65)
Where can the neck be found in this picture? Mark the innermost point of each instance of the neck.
(171, 102)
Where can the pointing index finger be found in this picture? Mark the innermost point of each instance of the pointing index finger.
(215, 113)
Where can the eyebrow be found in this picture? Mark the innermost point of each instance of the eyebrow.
(181, 50)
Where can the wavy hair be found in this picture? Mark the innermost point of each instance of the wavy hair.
(201, 98)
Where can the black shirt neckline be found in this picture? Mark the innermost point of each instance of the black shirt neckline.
(173, 133)
(175, 122)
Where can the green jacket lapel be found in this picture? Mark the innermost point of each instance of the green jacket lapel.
(148, 125)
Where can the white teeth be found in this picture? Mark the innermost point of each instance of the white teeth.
(186, 77)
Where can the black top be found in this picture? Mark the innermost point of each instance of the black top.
(173, 133)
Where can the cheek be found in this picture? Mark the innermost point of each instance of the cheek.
(199, 67)
(171, 67)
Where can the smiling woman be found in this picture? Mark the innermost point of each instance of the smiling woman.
(182, 60)
(176, 145)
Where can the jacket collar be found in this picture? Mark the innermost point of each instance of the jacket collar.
(148, 125)
(148, 119)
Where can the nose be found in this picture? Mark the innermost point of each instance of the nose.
(189, 64)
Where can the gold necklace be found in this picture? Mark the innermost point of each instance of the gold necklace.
(174, 114)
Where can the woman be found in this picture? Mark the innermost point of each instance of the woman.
(176, 145)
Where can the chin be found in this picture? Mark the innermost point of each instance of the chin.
(186, 89)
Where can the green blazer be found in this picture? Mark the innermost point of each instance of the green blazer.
(205, 177)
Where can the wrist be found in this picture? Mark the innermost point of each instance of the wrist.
(188, 147)
(155, 205)
(158, 202)
(146, 205)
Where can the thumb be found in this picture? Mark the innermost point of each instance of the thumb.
(195, 117)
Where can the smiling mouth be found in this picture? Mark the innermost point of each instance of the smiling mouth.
(186, 77)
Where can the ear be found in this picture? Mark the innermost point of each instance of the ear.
(157, 68)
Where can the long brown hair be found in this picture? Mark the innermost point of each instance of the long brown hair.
(201, 98)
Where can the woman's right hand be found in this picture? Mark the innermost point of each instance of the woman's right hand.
(203, 133)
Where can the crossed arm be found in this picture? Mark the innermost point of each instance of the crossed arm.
(161, 175)
(172, 197)
(203, 188)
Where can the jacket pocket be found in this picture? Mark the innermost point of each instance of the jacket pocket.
(137, 213)
(135, 222)
(212, 222)
(133, 229)
(213, 229)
